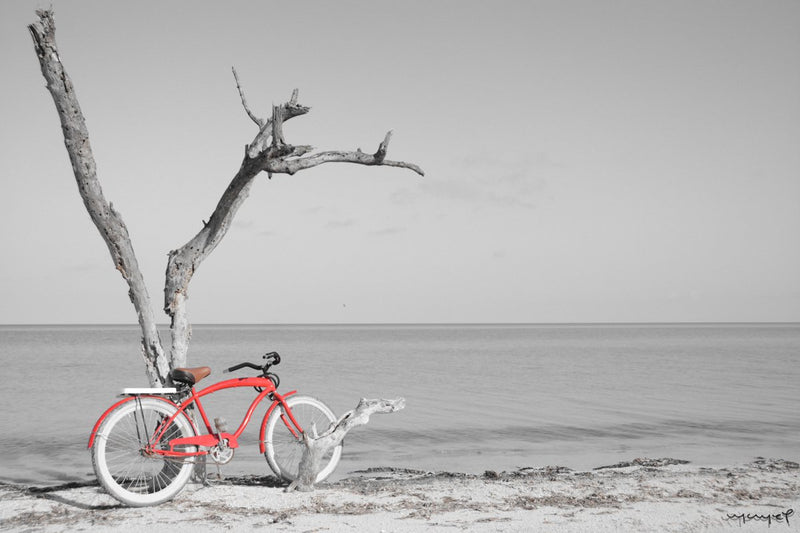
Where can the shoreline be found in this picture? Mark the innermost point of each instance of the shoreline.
(639, 495)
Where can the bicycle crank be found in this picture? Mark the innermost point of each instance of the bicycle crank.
(221, 454)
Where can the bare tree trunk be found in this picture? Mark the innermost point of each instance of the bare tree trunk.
(107, 220)
(317, 446)
(268, 152)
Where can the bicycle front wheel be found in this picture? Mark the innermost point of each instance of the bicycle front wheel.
(121, 459)
(283, 449)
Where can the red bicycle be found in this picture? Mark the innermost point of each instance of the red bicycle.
(145, 447)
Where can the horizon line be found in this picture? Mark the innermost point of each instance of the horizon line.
(334, 324)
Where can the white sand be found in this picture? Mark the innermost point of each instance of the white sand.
(646, 496)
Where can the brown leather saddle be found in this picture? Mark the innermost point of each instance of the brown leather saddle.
(189, 376)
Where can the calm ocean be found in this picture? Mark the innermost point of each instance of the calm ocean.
(478, 397)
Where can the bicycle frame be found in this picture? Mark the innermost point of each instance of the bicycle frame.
(212, 438)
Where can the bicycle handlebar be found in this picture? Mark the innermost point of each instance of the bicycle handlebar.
(241, 365)
(272, 358)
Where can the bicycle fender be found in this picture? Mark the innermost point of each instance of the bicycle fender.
(108, 411)
(263, 430)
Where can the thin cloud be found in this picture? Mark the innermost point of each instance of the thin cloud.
(385, 232)
(491, 182)
(84, 267)
(339, 224)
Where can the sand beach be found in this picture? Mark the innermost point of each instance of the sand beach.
(636, 495)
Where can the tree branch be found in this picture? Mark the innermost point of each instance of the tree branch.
(293, 165)
(277, 128)
(107, 220)
(316, 446)
(258, 121)
(287, 111)
(383, 147)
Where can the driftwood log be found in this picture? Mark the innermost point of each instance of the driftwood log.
(268, 152)
(317, 445)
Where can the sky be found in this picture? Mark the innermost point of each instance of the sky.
(621, 161)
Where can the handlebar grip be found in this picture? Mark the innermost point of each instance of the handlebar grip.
(241, 365)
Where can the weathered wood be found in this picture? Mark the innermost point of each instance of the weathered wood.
(107, 220)
(291, 166)
(259, 122)
(317, 446)
(184, 262)
(268, 152)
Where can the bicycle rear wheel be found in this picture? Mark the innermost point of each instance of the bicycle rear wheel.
(119, 456)
(284, 449)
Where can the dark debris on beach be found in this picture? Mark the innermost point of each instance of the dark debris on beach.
(420, 494)
(645, 462)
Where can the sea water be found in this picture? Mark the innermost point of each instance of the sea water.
(478, 397)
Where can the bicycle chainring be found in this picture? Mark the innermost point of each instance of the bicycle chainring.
(221, 454)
